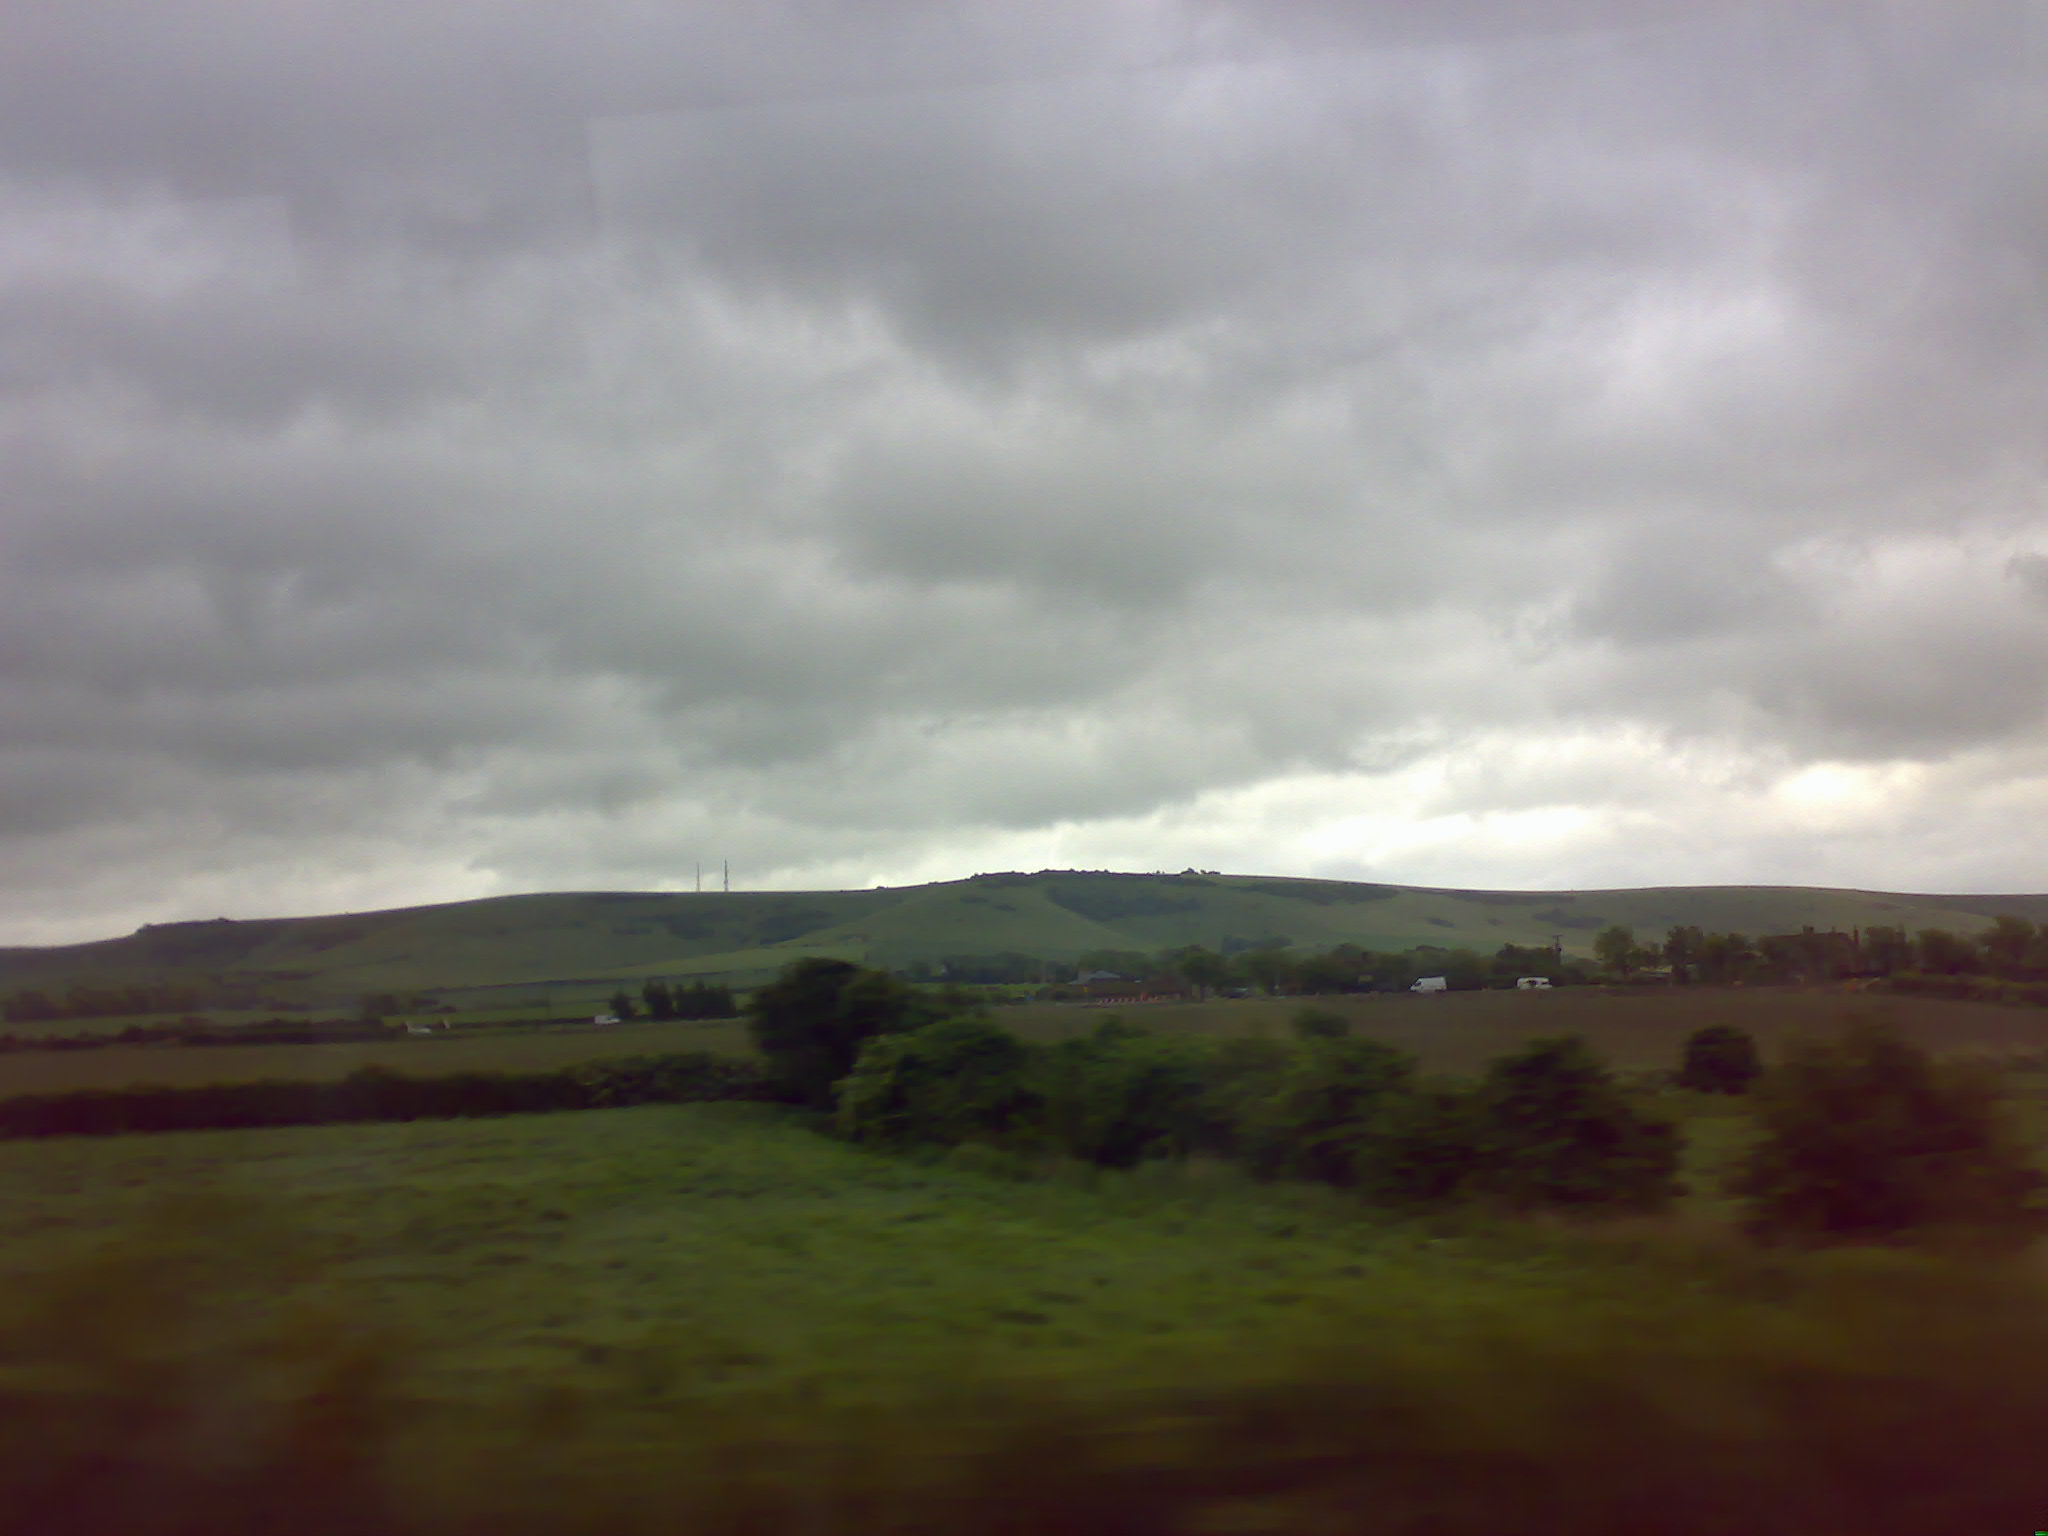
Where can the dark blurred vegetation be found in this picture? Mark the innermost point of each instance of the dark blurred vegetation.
(377, 1093)
(1654, 1384)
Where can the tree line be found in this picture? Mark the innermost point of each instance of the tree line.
(662, 1003)
(1863, 1136)
(2012, 952)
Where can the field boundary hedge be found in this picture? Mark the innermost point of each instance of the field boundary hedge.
(378, 1094)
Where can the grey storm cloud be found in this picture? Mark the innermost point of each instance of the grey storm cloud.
(445, 451)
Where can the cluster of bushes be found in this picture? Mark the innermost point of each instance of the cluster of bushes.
(662, 1002)
(1546, 1125)
(377, 1093)
(1864, 1137)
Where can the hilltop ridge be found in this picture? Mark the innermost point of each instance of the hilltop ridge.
(586, 938)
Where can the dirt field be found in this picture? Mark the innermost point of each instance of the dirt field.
(522, 1050)
(1461, 1031)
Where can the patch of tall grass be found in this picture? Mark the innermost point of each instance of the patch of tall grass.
(1467, 1375)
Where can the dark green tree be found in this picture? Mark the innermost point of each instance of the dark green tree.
(954, 1081)
(1681, 951)
(1323, 1113)
(810, 1023)
(2008, 944)
(1616, 949)
(1886, 950)
(1725, 957)
(1553, 1129)
(1719, 1058)
(658, 1001)
(1942, 953)
(1121, 1095)
(1205, 970)
(1866, 1137)
(1272, 971)
(621, 1006)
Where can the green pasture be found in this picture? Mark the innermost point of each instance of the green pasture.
(712, 1248)
(710, 1318)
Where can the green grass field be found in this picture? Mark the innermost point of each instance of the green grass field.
(711, 1318)
(726, 1241)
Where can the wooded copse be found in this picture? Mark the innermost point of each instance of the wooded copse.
(1864, 1137)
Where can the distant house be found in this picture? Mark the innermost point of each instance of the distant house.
(1109, 987)
(1532, 983)
(1105, 986)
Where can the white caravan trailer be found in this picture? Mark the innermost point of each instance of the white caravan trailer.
(1430, 984)
(1532, 983)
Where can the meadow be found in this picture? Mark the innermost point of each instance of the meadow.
(712, 1318)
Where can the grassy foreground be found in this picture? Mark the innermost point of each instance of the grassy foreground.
(708, 1318)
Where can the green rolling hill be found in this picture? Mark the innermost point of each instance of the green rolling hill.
(582, 939)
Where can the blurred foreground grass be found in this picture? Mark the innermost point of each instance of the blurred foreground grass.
(707, 1318)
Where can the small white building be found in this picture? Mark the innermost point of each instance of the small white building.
(1430, 984)
(1532, 983)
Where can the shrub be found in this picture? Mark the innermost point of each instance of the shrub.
(378, 1093)
(1719, 1059)
(811, 1022)
(1426, 1149)
(955, 1081)
(1867, 1137)
(1243, 1071)
(1121, 1095)
(1318, 1118)
(1552, 1128)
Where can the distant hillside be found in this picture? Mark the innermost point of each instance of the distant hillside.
(740, 937)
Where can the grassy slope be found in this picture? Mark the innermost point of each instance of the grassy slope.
(593, 938)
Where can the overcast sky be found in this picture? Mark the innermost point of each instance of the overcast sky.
(459, 448)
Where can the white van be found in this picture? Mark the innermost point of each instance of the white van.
(1430, 984)
(1532, 983)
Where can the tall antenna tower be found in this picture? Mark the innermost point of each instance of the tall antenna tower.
(726, 875)
(700, 877)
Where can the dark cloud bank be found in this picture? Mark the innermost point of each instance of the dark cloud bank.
(447, 450)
